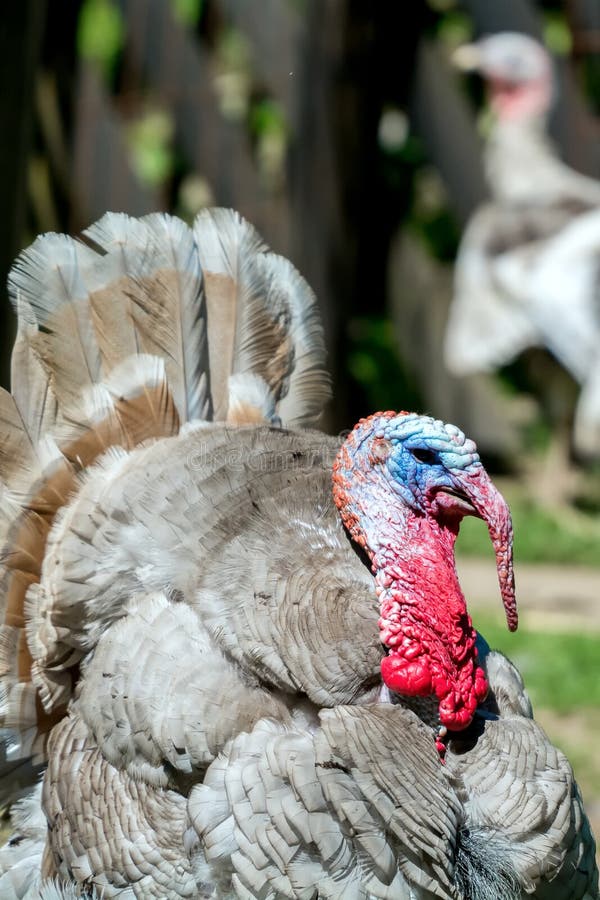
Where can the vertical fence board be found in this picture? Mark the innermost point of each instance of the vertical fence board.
(181, 73)
(103, 178)
(21, 26)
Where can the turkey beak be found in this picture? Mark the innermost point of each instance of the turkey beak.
(467, 58)
(489, 505)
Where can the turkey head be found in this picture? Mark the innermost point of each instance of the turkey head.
(518, 72)
(402, 484)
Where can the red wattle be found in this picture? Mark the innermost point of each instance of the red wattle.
(431, 641)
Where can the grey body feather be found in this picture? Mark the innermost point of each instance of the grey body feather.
(194, 650)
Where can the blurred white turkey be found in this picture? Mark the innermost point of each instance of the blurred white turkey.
(241, 690)
(528, 268)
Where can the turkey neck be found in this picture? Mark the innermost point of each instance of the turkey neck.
(520, 164)
(423, 616)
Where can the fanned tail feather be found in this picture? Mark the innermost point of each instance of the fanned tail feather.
(158, 291)
(124, 336)
(265, 335)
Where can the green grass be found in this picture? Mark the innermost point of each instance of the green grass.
(539, 536)
(560, 670)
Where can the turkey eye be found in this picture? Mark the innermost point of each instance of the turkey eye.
(429, 457)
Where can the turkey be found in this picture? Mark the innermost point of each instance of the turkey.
(237, 645)
(527, 269)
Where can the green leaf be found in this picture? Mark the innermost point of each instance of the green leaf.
(150, 146)
(268, 117)
(557, 36)
(188, 12)
(100, 33)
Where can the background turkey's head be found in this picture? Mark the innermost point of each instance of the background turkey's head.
(517, 70)
(402, 483)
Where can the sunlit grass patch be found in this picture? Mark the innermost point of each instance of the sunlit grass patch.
(561, 670)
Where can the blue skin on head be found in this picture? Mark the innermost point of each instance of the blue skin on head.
(434, 470)
(424, 455)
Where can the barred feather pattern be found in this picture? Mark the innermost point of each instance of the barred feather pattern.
(191, 640)
(124, 335)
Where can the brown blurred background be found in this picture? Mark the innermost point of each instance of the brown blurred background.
(337, 127)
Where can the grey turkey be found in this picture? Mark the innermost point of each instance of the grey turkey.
(237, 646)
(528, 267)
